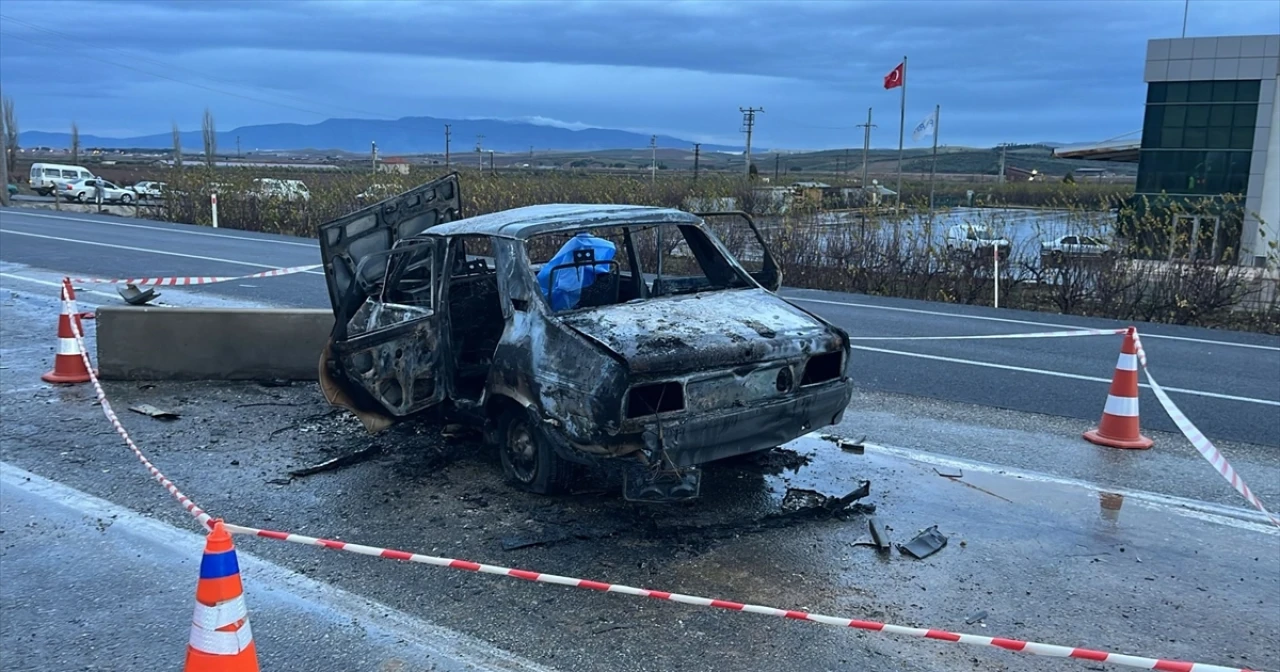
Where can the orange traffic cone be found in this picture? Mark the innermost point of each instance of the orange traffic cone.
(68, 365)
(221, 640)
(1119, 425)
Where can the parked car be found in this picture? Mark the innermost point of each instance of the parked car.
(85, 191)
(554, 329)
(45, 178)
(1073, 246)
(976, 240)
(289, 190)
(148, 189)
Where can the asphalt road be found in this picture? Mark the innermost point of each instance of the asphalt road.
(1228, 383)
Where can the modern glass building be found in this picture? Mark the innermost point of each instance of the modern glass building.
(1209, 138)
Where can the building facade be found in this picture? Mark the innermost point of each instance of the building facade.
(1211, 134)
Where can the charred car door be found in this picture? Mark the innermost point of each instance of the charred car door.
(383, 355)
(769, 276)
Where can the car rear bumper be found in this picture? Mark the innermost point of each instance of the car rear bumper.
(707, 437)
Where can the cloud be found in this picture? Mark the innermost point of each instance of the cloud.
(1002, 71)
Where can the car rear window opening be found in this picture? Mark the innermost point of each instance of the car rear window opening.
(654, 398)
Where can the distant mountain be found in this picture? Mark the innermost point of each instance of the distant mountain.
(409, 135)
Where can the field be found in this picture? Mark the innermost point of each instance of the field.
(884, 254)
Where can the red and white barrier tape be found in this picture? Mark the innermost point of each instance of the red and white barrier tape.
(1033, 648)
(205, 519)
(1197, 438)
(195, 280)
(1028, 647)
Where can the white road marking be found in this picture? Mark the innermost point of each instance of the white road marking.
(1221, 514)
(147, 250)
(166, 229)
(1060, 374)
(1007, 320)
(456, 650)
(46, 283)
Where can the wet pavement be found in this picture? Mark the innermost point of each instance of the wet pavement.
(1046, 559)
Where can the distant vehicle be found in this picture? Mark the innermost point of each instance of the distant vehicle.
(289, 190)
(149, 189)
(977, 240)
(1072, 245)
(44, 178)
(85, 191)
(377, 192)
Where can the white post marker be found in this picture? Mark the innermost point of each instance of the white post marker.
(213, 200)
(995, 257)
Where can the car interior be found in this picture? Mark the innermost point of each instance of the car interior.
(475, 310)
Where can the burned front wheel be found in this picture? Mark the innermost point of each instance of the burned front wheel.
(527, 460)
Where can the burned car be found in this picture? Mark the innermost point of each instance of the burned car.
(575, 334)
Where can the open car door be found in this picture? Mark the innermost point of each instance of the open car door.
(768, 275)
(347, 241)
(382, 359)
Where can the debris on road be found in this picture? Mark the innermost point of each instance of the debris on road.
(975, 617)
(338, 462)
(879, 535)
(157, 413)
(548, 537)
(135, 297)
(801, 502)
(958, 473)
(925, 544)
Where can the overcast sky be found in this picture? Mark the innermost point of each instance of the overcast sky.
(1003, 71)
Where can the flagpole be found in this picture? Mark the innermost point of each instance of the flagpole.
(902, 128)
(937, 109)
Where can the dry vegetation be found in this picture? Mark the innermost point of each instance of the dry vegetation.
(874, 253)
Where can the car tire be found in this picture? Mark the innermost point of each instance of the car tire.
(125, 199)
(80, 197)
(528, 461)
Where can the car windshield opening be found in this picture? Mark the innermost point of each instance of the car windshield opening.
(600, 266)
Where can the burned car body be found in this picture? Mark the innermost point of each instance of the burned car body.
(613, 334)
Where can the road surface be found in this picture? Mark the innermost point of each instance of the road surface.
(1225, 381)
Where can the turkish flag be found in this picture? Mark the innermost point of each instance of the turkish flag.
(896, 77)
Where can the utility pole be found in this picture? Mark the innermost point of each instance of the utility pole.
(866, 146)
(933, 165)
(492, 171)
(777, 159)
(697, 152)
(447, 134)
(530, 154)
(4, 168)
(238, 154)
(748, 123)
(1003, 147)
(479, 151)
(653, 167)
(374, 153)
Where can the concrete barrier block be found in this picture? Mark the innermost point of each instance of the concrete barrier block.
(162, 343)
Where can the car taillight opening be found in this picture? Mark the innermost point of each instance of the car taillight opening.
(654, 398)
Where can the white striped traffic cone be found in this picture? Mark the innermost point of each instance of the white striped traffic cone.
(68, 365)
(1119, 425)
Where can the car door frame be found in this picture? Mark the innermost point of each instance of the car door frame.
(769, 270)
(406, 352)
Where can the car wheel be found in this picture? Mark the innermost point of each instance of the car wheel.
(527, 461)
(125, 199)
(80, 197)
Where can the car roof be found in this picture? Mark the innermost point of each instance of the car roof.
(526, 222)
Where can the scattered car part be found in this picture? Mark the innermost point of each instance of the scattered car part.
(157, 413)
(879, 535)
(925, 544)
(136, 297)
(338, 462)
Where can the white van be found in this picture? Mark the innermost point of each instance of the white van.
(45, 177)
